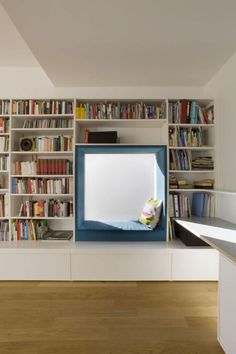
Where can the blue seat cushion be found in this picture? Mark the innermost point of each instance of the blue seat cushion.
(123, 225)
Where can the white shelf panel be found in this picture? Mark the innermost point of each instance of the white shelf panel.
(42, 176)
(36, 130)
(191, 125)
(192, 190)
(122, 122)
(42, 152)
(42, 115)
(3, 190)
(191, 148)
(40, 195)
(42, 218)
(192, 171)
(4, 134)
(3, 171)
(4, 218)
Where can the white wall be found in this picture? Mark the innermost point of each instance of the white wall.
(33, 82)
(223, 88)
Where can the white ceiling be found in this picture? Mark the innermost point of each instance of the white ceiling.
(126, 42)
(14, 51)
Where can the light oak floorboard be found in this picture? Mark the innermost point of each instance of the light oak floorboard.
(108, 318)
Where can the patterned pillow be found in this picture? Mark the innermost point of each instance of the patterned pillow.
(151, 213)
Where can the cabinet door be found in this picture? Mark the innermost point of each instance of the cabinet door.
(227, 306)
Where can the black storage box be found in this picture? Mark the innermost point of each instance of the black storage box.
(187, 237)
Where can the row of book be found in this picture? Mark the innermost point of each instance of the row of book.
(190, 112)
(179, 206)
(117, 110)
(42, 107)
(28, 229)
(201, 205)
(48, 123)
(188, 137)
(4, 230)
(49, 143)
(46, 208)
(44, 167)
(4, 143)
(3, 205)
(181, 183)
(4, 125)
(4, 107)
(4, 163)
(182, 160)
(37, 230)
(42, 186)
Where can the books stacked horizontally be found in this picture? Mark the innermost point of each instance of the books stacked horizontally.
(190, 112)
(189, 137)
(4, 163)
(42, 186)
(37, 230)
(47, 143)
(5, 107)
(204, 184)
(46, 208)
(4, 143)
(203, 163)
(4, 231)
(180, 160)
(4, 125)
(44, 167)
(118, 110)
(48, 123)
(42, 107)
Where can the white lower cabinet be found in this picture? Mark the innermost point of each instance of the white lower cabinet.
(108, 262)
(195, 264)
(121, 266)
(227, 306)
(34, 266)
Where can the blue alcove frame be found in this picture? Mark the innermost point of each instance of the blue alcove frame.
(89, 230)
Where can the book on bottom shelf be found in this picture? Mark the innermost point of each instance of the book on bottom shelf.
(182, 206)
(37, 230)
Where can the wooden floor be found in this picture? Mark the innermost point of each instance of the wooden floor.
(100, 317)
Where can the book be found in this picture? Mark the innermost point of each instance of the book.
(120, 110)
(38, 107)
(57, 235)
(198, 204)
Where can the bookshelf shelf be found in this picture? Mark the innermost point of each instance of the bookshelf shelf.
(36, 130)
(42, 152)
(49, 195)
(42, 116)
(188, 125)
(191, 148)
(192, 171)
(41, 218)
(142, 123)
(43, 176)
(192, 190)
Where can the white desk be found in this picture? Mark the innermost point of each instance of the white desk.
(221, 235)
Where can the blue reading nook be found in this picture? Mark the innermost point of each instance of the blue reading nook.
(117, 179)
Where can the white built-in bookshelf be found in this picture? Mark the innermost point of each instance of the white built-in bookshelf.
(138, 122)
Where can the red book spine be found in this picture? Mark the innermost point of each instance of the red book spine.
(184, 114)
